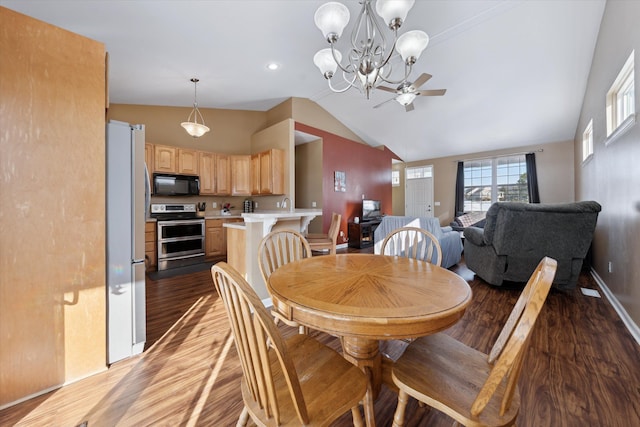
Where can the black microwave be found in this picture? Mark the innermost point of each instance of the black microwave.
(175, 185)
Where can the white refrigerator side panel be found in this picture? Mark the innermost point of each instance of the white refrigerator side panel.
(119, 250)
(125, 241)
(138, 244)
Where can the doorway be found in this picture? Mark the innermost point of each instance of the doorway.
(419, 191)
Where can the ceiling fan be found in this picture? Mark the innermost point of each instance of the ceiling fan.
(407, 92)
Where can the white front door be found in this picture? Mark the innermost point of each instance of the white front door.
(419, 196)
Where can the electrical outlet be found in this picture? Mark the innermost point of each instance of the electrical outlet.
(214, 205)
(277, 204)
(255, 205)
(313, 204)
(341, 233)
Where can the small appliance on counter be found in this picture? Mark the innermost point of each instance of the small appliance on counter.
(248, 206)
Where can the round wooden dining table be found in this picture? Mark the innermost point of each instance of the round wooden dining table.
(365, 298)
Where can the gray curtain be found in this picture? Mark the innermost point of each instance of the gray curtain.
(532, 178)
(459, 205)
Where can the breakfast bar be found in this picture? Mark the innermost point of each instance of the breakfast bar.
(243, 240)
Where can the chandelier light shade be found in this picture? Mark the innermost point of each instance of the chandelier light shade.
(369, 58)
(331, 18)
(411, 44)
(194, 128)
(326, 63)
(394, 12)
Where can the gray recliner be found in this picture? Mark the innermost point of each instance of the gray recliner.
(516, 236)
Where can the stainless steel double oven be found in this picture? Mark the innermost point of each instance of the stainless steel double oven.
(180, 235)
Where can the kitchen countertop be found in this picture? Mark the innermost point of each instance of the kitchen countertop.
(280, 213)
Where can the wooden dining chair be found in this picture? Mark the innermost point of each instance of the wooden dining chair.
(276, 249)
(292, 382)
(413, 242)
(473, 388)
(320, 242)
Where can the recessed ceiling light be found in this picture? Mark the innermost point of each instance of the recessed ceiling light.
(272, 66)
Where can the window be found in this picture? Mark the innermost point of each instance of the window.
(500, 179)
(621, 104)
(395, 178)
(419, 172)
(587, 141)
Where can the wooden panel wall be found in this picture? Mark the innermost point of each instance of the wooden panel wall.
(52, 207)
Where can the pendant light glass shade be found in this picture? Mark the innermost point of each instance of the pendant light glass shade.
(331, 18)
(194, 128)
(411, 44)
(393, 10)
(325, 61)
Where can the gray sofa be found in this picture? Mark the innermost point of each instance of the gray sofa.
(516, 236)
(449, 240)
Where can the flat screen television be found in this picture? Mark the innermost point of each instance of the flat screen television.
(371, 210)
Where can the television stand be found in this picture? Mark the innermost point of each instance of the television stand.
(361, 235)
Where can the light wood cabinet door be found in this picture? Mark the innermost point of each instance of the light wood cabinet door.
(207, 168)
(214, 240)
(150, 242)
(241, 175)
(148, 157)
(187, 161)
(255, 174)
(272, 172)
(223, 175)
(164, 158)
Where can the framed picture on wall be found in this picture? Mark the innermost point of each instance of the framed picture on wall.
(340, 181)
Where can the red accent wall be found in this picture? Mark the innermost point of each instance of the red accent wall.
(368, 172)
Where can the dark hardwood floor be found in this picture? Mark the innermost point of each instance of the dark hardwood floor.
(582, 368)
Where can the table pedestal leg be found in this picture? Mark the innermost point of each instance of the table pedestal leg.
(365, 354)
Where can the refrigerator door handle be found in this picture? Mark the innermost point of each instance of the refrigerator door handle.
(138, 261)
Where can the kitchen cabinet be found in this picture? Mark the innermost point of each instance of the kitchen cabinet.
(150, 248)
(148, 157)
(241, 175)
(207, 168)
(164, 159)
(215, 240)
(268, 172)
(223, 175)
(187, 161)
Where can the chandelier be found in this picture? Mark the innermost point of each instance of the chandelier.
(369, 60)
(194, 128)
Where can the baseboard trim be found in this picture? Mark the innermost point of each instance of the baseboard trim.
(619, 308)
(50, 389)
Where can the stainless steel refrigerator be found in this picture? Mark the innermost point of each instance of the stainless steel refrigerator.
(127, 195)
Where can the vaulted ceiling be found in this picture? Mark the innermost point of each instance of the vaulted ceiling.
(515, 71)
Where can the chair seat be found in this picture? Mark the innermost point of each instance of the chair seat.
(326, 378)
(316, 236)
(448, 375)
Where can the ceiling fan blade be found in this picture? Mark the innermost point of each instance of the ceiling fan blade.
(422, 79)
(387, 89)
(409, 107)
(432, 92)
(382, 103)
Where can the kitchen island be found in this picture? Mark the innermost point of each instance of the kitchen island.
(243, 241)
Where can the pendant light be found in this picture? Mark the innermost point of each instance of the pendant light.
(194, 128)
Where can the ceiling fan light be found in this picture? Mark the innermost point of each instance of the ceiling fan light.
(325, 61)
(394, 12)
(331, 18)
(405, 98)
(411, 44)
(196, 130)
